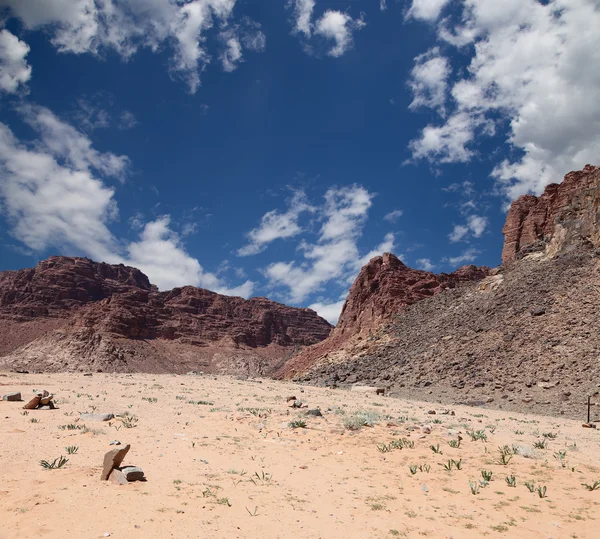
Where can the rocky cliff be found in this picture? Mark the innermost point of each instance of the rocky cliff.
(383, 288)
(566, 215)
(68, 312)
(526, 337)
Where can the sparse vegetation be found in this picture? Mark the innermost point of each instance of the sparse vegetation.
(511, 480)
(297, 424)
(71, 449)
(594, 486)
(55, 464)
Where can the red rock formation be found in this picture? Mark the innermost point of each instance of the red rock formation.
(385, 285)
(382, 289)
(93, 302)
(566, 212)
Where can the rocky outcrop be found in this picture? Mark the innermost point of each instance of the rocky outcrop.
(566, 215)
(384, 287)
(73, 308)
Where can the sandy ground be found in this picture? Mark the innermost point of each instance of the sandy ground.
(221, 460)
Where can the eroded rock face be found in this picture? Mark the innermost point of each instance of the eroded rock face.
(82, 306)
(385, 286)
(566, 215)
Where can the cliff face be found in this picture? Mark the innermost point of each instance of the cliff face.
(383, 288)
(525, 337)
(97, 302)
(565, 216)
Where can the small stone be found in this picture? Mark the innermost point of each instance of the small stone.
(133, 473)
(49, 406)
(290, 398)
(115, 442)
(431, 412)
(12, 396)
(46, 400)
(33, 403)
(538, 311)
(527, 399)
(425, 429)
(316, 412)
(113, 459)
(117, 477)
(97, 417)
(87, 374)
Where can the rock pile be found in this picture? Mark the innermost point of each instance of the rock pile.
(41, 401)
(113, 472)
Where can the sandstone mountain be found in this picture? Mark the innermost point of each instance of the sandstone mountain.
(76, 314)
(523, 336)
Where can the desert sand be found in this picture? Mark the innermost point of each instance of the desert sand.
(221, 460)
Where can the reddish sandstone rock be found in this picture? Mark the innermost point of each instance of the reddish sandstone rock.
(566, 214)
(67, 311)
(383, 288)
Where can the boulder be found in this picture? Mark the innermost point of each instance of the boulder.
(117, 477)
(133, 473)
(112, 460)
(33, 403)
(12, 396)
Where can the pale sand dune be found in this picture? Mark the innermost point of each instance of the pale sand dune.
(321, 481)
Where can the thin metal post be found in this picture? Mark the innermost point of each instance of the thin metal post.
(589, 405)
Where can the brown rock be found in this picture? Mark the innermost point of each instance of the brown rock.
(117, 477)
(563, 215)
(105, 316)
(113, 459)
(33, 403)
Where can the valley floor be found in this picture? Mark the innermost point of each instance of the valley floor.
(222, 459)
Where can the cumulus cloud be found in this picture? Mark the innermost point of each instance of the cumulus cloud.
(393, 216)
(534, 70)
(338, 26)
(14, 70)
(475, 227)
(429, 80)
(303, 10)
(425, 264)
(96, 26)
(334, 257)
(330, 311)
(277, 225)
(466, 257)
(53, 197)
(333, 25)
(427, 10)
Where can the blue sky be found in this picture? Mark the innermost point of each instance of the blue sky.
(271, 148)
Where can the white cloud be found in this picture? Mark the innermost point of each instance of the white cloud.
(330, 311)
(429, 80)
(535, 68)
(96, 26)
(66, 143)
(14, 70)
(458, 233)
(475, 226)
(161, 255)
(382, 5)
(303, 10)
(468, 256)
(393, 216)
(338, 26)
(425, 264)
(53, 197)
(232, 53)
(427, 10)
(448, 143)
(334, 257)
(275, 225)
